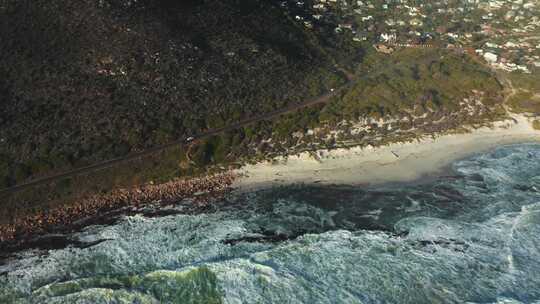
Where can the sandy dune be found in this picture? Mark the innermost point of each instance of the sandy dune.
(399, 162)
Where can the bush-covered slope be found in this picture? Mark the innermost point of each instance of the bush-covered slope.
(417, 80)
(87, 80)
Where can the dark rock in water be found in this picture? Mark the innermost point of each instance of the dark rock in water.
(373, 226)
(401, 234)
(161, 213)
(477, 180)
(453, 177)
(312, 246)
(45, 242)
(450, 193)
(525, 188)
(476, 177)
(456, 245)
(260, 239)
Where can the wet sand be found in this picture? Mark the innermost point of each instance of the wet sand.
(394, 163)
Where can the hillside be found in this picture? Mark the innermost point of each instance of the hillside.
(91, 80)
(94, 80)
(406, 95)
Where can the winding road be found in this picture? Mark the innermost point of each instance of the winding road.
(242, 123)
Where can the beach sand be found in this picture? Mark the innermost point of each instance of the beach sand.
(398, 162)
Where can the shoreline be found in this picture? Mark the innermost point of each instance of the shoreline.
(396, 163)
(390, 164)
(101, 207)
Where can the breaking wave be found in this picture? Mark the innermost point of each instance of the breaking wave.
(472, 237)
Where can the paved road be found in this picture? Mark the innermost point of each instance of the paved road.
(242, 123)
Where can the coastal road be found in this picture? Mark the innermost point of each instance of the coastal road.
(242, 123)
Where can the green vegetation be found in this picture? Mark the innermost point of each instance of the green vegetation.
(408, 82)
(528, 82)
(525, 101)
(416, 79)
(143, 73)
(536, 124)
(137, 74)
(159, 167)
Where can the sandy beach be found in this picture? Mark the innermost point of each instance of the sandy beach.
(398, 162)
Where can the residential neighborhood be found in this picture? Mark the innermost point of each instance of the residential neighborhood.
(505, 33)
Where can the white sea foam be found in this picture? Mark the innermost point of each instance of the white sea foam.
(475, 241)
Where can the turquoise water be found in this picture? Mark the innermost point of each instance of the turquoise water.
(470, 238)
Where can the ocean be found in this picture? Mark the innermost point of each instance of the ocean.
(472, 236)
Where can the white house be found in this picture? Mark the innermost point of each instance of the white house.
(490, 57)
